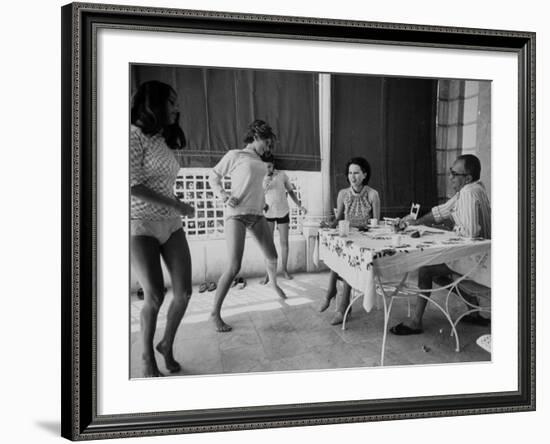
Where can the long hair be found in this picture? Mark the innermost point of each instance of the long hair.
(148, 111)
(363, 164)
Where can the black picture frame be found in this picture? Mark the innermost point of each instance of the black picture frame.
(80, 420)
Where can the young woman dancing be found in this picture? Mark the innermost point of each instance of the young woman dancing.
(357, 204)
(155, 225)
(244, 210)
(276, 187)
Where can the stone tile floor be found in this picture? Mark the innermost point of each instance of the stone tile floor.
(270, 335)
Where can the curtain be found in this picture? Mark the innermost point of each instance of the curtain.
(217, 105)
(390, 122)
(463, 127)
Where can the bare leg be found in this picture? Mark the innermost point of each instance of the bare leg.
(283, 239)
(235, 232)
(425, 279)
(175, 253)
(331, 291)
(271, 226)
(145, 255)
(344, 302)
(264, 237)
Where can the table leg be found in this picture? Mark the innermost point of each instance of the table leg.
(387, 310)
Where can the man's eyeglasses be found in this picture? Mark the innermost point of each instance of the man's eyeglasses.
(455, 174)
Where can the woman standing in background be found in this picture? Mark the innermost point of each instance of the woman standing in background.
(276, 187)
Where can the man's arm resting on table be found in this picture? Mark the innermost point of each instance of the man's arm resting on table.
(427, 219)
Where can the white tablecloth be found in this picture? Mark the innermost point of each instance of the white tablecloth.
(357, 257)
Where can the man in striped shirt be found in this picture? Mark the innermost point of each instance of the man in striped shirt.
(470, 212)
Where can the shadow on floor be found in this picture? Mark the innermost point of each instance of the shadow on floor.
(271, 335)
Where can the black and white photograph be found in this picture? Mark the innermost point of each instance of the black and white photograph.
(291, 221)
(274, 221)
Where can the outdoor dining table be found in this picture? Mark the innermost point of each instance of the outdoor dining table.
(371, 260)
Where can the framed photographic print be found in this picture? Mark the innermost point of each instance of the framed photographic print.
(278, 221)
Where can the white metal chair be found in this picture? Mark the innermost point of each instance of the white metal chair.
(473, 290)
(398, 290)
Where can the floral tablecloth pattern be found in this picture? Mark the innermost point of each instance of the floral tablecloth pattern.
(358, 257)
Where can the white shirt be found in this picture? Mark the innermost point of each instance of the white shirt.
(275, 187)
(247, 172)
(471, 212)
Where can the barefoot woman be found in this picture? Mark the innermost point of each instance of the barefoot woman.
(277, 186)
(155, 226)
(244, 210)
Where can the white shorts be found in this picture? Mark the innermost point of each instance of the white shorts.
(161, 230)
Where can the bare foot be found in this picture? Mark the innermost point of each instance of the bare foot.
(265, 280)
(279, 292)
(221, 326)
(172, 365)
(287, 275)
(150, 368)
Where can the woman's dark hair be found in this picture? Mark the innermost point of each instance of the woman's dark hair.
(363, 164)
(148, 111)
(259, 129)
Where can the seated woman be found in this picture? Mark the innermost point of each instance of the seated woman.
(357, 204)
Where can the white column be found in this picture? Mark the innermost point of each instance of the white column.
(324, 141)
(319, 205)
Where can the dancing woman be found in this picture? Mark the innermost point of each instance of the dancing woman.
(357, 204)
(244, 210)
(277, 186)
(155, 225)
